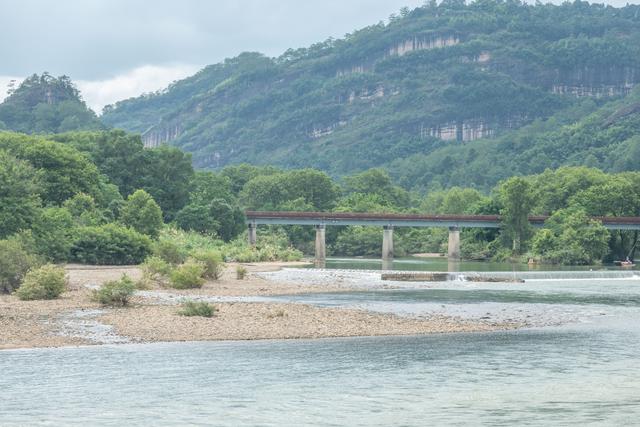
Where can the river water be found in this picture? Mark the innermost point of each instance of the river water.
(579, 363)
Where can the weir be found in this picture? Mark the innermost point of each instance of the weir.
(389, 221)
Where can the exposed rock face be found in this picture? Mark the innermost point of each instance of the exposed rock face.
(468, 130)
(410, 45)
(359, 68)
(320, 131)
(159, 135)
(596, 82)
(422, 43)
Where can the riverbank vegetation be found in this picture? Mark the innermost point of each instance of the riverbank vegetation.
(100, 198)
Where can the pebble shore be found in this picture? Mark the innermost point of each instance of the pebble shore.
(74, 319)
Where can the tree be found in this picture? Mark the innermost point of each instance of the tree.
(215, 218)
(64, 170)
(142, 213)
(571, 237)
(517, 201)
(53, 233)
(166, 176)
(19, 194)
(377, 181)
(455, 200)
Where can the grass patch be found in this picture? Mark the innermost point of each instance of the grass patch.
(241, 272)
(197, 308)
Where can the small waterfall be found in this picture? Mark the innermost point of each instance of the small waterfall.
(553, 275)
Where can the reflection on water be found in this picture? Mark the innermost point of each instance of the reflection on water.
(443, 264)
(583, 372)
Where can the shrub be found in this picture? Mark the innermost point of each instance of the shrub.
(241, 272)
(156, 268)
(212, 262)
(197, 308)
(170, 252)
(15, 261)
(142, 213)
(110, 244)
(116, 293)
(46, 282)
(188, 275)
(53, 233)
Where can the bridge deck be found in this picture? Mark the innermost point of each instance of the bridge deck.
(404, 220)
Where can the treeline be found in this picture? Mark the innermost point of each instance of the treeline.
(99, 197)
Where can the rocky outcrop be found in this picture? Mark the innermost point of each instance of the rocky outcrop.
(422, 43)
(320, 131)
(601, 91)
(468, 130)
(597, 82)
(157, 136)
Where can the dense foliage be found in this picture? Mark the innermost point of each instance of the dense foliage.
(402, 95)
(59, 203)
(44, 104)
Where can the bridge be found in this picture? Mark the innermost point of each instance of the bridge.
(389, 221)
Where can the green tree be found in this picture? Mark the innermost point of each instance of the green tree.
(19, 194)
(166, 176)
(571, 237)
(53, 232)
(64, 170)
(142, 213)
(517, 201)
(377, 181)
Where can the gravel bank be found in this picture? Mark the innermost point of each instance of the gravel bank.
(244, 311)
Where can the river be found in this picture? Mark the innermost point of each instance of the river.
(579, 363)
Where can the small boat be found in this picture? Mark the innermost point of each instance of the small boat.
(624, 264)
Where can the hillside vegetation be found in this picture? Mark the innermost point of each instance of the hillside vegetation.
(46, 104)
(444, 94)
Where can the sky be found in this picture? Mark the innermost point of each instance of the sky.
(117, 49)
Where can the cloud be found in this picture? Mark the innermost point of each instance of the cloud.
(96, 39)
(144, 79)
(148, 78)
(4, 84)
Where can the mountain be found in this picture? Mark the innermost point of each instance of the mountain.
(46, 104)
(414, 95)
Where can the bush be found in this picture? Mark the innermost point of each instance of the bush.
(241, 272)
(212, 262)
(46, 282)
(156, 268)
(197, 308)
(170, 252)
(188, 275)
(116, 293)
(110, 244)
(15, 261)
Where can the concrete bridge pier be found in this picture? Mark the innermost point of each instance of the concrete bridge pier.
(321, 248)
(253, 234)
(453, 251)
(387, 243)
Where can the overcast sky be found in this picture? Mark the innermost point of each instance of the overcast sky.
(115, 49)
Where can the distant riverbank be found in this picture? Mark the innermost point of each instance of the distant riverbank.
(244, 312)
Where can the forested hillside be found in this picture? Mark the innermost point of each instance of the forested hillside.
(444, 94)
(46, 104)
